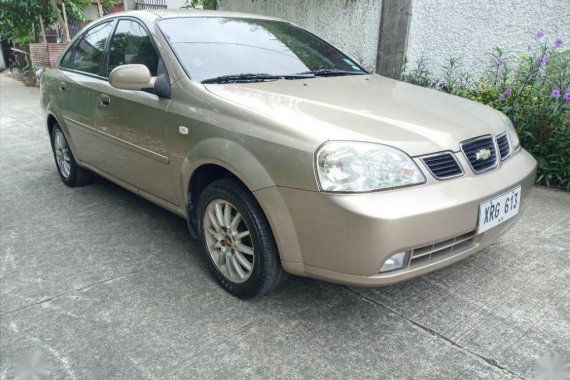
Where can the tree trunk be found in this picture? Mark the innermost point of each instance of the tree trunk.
(67, 38)
(43, 29)
(100, 8)
(60, 20)
(33, 34)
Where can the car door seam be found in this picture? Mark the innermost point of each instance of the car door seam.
(139, 149)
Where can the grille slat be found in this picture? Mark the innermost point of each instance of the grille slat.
(447, 167)
(439, 163)
(443, 165)
(480, 145)
(481, 165)
(504, 146)
(454, 244)
(439, 158)
(448, 173)
(421, 256)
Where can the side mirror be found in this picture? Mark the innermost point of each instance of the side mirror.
(131, 77)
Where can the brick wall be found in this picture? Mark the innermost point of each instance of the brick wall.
(45, 55)
(39, 55)
(55, 51)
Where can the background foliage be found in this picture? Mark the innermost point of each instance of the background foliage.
(20, 19)
(199, 4)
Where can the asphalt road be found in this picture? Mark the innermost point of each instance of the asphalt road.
(99, 283)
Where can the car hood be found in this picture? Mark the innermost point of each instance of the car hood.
(367, 108)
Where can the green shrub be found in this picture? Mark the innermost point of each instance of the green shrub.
(532, 88)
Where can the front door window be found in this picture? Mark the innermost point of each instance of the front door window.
(131, 44)
(88, 53)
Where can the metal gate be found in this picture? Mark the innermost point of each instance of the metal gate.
(150, 4)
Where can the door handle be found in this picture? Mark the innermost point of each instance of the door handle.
(62, 86)
(104, 100)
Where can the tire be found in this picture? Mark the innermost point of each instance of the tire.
(225, 248)
(69, 171)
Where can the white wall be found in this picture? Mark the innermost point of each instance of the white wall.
(470, 29)
(439, 29)
(351, 27)
(129, 4)
(175, 4)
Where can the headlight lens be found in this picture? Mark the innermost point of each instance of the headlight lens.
(348, 166)
(511, 131)
(513, 137)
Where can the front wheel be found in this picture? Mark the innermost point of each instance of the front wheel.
(237, 240)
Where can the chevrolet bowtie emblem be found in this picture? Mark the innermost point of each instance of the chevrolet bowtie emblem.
(482, 154)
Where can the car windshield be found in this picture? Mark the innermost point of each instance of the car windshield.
(241, 49)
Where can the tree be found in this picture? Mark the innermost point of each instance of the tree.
(60, 18)
(19, 18)
(199, 4)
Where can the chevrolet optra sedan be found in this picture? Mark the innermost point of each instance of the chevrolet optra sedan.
(283, 153)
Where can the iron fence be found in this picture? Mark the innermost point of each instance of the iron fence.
(151, 4)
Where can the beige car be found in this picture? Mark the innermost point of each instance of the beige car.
(282, 152)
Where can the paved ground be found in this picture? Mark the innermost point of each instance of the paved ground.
(100, 283)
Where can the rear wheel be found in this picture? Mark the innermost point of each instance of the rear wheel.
(237, 240)
(69, 171)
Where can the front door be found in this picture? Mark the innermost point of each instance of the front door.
(132, 124)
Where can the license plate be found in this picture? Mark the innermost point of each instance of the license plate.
(498, 210)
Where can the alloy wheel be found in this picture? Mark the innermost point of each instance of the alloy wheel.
(228, 240)
(62, 154)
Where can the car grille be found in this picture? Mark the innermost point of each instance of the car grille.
(443, 165)
(474, 148)
(456, 244)
(504, 146)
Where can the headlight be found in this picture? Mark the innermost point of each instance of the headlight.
(349, 166)
(511, 132)
(513, 137)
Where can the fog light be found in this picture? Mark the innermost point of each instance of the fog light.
(397, 261)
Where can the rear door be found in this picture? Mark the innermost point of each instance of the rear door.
(132, 124)
(79, 72)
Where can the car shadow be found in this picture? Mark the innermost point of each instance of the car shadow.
(291, 297)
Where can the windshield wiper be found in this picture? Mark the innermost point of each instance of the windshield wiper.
(332, 72)
(254, 77)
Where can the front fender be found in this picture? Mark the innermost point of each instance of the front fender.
(244, 165)
(229, 155)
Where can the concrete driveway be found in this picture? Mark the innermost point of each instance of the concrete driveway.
(99, 283)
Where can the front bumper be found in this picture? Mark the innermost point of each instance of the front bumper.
(345, 238)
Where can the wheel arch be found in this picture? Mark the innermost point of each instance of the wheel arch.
(51, 120)
(201, 177)
(218, 158)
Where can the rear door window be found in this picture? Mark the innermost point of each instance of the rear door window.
(66, 60)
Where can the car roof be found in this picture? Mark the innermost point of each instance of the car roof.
(182, 13)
